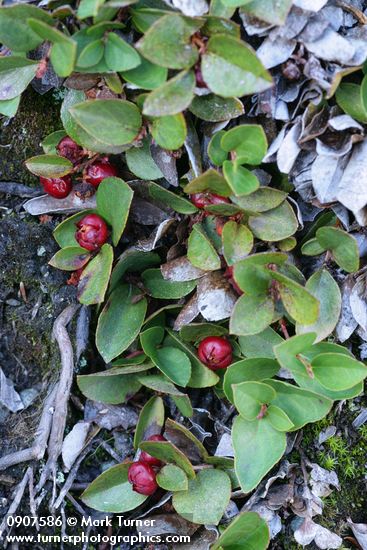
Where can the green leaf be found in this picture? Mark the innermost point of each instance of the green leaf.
(76, 132)
(241, 180)
(230, 68)
(132, 260)
(15, 75)
(271, 11)
(201, 376)
(169, 453)
(312, 248)
(261, 344)
(144, 17)
(114, 198)
(15, 33)
(174, 363)
(49, 166)
(248, 142)
(325, 289)
(112, 121)
(213, 108)
(91, 54)
(237, 242)
(9, 107)
(338, 372)
(249, 396)
(140, 162)
(169, 131)
(255, 369)
(248, 531)
(257, 448)
(89, 8)
(343, 246)
(195, 332)
(244, 322)
(278, 419)
(168, 198)
(94, 279)
(220, 25)
(364, 93)
(119, 55)
(262, 200)
(70, 258)
(215, 152)
(301, 406)
(112, 492)
(218, 8)
(287, 352)
(298, 301)
(109, 389)
(151, 420)
(120, 321)
(350, 100)
(167, 42)
(172, 97)
(160, 383)
(63, 50)
(172, 478)
(183, 404)
(147, 75)
(158, 287)
(200, 250)
(210, 180)
(274, 225)
(51, 141)
(206, 498)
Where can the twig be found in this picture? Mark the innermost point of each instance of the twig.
(62, 396)
(70, 479)
(14, 188)
(18, 495)
(37, 451)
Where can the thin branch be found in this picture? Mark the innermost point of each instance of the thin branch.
(18, 495)
(37, 451)
(62, 396)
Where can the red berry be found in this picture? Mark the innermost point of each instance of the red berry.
(98, 171)
(200, 200)
(57, 187)
(142, 478)
(229, 274)
(92, 232)
(149, 459)
(69, 149)
(215, 352)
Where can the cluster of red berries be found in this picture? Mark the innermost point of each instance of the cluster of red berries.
(94, 173)
(142, 473)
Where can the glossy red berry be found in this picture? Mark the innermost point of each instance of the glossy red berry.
(215, 352)
(200, 200)
(98, 171)
(69, 149)
(142, 477)
(57, 187)
(149, 459)
(92, 232)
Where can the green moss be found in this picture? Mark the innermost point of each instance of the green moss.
(20, 137)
